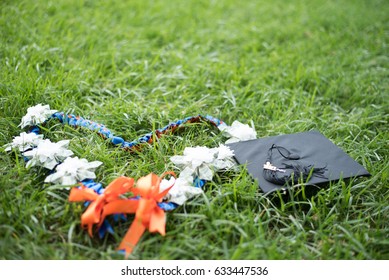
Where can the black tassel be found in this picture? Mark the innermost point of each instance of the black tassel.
(280, 176)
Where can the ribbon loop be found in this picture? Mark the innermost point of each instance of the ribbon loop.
(144, 204)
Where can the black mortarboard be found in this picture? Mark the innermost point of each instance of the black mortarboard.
(280, 161)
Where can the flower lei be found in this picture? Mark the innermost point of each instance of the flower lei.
(151, 196)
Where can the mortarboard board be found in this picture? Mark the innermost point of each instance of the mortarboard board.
(279, 161)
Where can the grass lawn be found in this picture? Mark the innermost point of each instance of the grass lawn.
(284, 66)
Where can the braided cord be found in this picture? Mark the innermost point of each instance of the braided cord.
(77, 121)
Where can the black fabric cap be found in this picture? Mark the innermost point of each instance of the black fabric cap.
(305, 149)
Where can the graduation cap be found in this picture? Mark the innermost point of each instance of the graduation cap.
(285, 160)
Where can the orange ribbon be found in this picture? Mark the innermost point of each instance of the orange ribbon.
(147, 213)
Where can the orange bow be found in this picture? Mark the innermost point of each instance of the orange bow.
(147, 213)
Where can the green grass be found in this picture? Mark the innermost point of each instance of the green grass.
(285, 66)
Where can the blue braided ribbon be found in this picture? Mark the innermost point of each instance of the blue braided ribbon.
(77, 121)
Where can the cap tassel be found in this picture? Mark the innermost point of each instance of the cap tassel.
(279, 176)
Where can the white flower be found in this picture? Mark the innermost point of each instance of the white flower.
(48, 154)
(224, 158)
(239, 132)
(36, 115)
(73, 170)
(194, 157)
(224, 152)
(182, 189)
(198, 162)
(24, 141)
(201, 162)
(195, 161)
